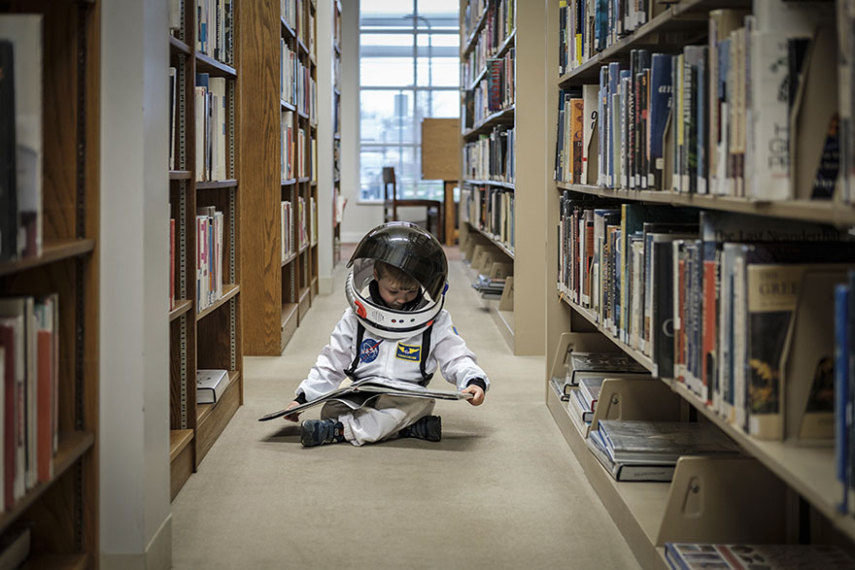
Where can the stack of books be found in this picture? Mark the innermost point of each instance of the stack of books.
(638, 450)
(489, 287)
(685, 556)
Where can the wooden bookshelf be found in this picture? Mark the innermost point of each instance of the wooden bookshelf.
(63, 511)
(277, 281)
(793, 493)
(520, 42)
(203, 335)
(337, 205)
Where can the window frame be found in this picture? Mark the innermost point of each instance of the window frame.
(417, 26)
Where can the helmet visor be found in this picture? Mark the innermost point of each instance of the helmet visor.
(409, 249)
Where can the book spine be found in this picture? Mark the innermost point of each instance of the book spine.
(842, 406)
(660, 107)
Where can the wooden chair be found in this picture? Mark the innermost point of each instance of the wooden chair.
(391, 203)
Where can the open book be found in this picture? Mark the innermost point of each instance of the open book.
(359, 393)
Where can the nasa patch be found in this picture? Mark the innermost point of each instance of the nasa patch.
(369, 349)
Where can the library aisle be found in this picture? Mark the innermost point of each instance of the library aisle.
(502, 489)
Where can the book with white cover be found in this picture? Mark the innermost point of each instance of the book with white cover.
(357, 394)
(777, 22)
(25, 33)
(210, 385)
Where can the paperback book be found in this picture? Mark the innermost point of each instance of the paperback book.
(361, 392)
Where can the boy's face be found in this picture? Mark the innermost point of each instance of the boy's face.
(393, 294)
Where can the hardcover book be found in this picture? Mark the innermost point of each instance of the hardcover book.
(660, 109)
(632, 471)
(210, 385)
(628, 441)
(601, 362)
(8, 187)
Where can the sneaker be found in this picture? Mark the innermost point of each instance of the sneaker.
(428, 428)
(319, 432)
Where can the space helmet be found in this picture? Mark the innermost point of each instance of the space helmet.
(414, 251)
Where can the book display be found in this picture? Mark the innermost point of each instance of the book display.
(49, 199)
(204, 200)
(700, 212)
(280, 212)
(500, 189)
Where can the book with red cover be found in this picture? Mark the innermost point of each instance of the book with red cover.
(12, 469)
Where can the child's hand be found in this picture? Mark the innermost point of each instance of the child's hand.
(477, 394)
(292, 417)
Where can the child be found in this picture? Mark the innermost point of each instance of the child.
(396, 331)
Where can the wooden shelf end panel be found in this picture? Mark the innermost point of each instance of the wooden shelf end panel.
(214, 420)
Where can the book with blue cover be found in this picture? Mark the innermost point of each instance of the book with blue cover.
(660, 108)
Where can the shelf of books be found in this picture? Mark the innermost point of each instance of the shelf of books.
(704, 275)
(204, 200)
(49, 220)
(338, 201)
(488, 47)
(503, 179)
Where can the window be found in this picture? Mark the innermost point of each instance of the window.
(408, 53)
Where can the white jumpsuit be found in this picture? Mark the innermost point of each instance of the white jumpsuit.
(389, 361)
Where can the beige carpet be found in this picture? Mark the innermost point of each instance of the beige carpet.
(501, 490)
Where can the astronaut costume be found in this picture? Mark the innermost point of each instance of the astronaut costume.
(394, 346)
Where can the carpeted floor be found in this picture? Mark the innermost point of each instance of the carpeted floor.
(501, 490)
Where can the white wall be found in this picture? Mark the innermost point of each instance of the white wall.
(135, 516)
(326, 82)
(358, 218)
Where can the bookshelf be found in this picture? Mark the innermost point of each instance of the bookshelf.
(790, 481)
(280, 177)
(338, 199)
(205, 210)
(61, 509)
(502, 123)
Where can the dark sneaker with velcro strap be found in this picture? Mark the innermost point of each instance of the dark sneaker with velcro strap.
(319, 432)
(428, 428)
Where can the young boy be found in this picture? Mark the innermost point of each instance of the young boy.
(395, 331)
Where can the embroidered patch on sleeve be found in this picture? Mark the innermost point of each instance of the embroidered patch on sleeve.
(408, 352)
